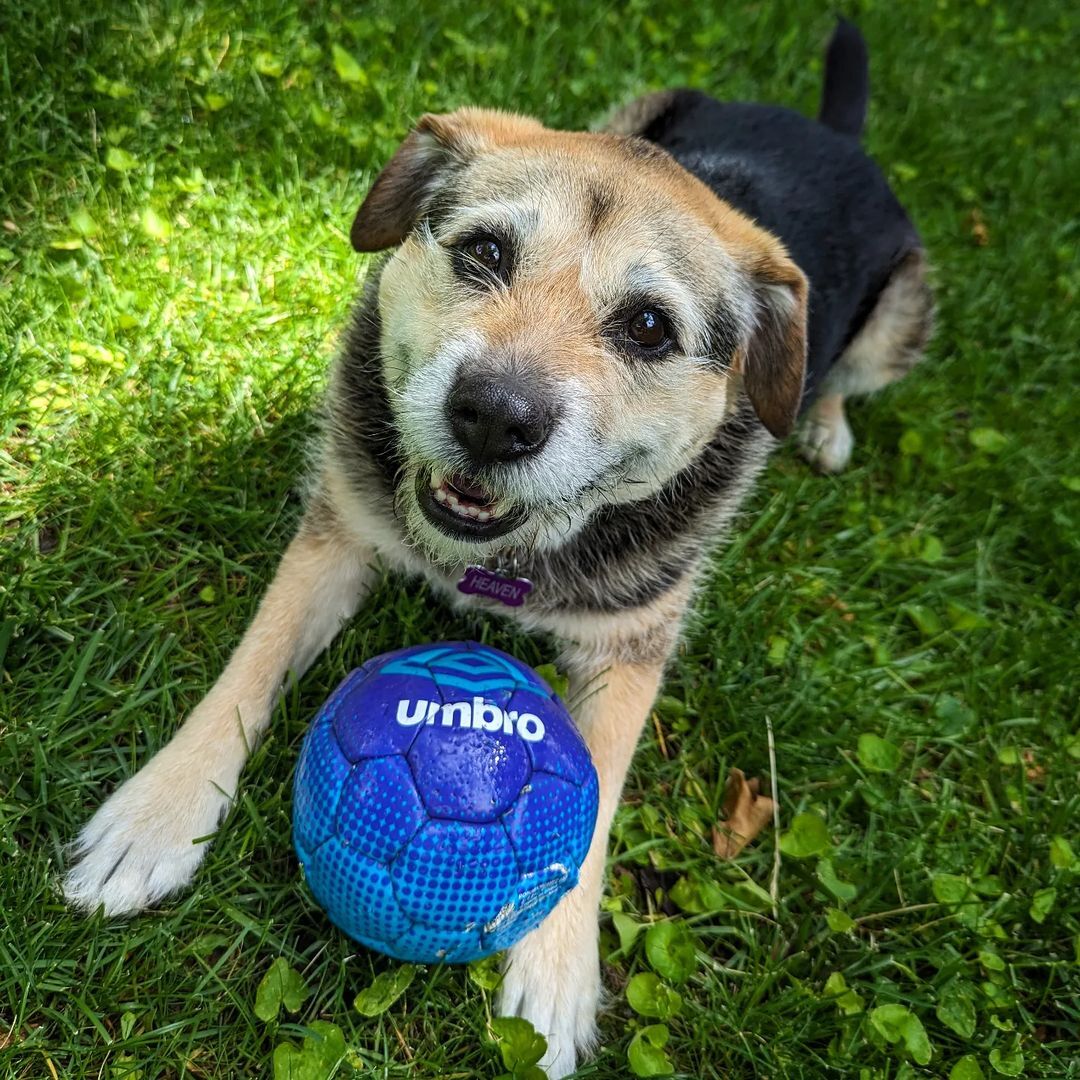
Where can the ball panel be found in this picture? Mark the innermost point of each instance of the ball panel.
(590, 791)
(379, 810)
(455, 875)
(380, 714)
(422, 945)
(562, 750)
(467, 773)
(356, 893)
(471, 668)
(536, 896)
(347, 686)
(551, 824)
(320, 772)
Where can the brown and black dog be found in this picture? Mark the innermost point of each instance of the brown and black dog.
(575, 362)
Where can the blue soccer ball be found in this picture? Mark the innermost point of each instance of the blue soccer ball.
(444, 802)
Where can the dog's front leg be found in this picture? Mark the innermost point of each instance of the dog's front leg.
(553, 975)
(141, 843)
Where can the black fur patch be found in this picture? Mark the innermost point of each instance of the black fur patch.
(599, 206)
(364, 439)
(631, 554)
(725, 335)
(441, 205)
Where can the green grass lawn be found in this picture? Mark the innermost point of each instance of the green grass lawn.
(176, 183)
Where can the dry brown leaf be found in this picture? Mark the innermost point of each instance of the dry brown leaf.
(1035, 772)
(746, 813)
(979, 232)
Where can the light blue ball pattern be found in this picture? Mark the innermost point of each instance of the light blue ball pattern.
(442, 834)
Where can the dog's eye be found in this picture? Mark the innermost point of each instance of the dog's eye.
(648, 329)
(485, 252)
(482, 260)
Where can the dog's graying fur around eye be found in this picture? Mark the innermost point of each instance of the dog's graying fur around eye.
(575, 361)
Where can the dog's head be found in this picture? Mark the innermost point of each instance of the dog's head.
(566, 320)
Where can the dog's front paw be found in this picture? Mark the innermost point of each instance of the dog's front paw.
(552, 980)
(139, 847)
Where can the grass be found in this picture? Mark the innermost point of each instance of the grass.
(177, 181)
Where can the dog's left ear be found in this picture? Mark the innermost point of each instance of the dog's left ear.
(775, 360)
(437, 148)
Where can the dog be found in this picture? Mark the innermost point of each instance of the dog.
(569, 371)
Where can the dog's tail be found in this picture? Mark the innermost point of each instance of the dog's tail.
(847, 81)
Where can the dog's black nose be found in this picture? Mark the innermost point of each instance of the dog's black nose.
(498, 417)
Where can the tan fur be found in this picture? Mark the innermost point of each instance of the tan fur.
(436, 142)
(635, 116)
(892, 339)
(888, 346)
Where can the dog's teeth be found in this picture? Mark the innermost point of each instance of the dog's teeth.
(446, 496)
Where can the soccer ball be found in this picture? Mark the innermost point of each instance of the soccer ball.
(443, 803)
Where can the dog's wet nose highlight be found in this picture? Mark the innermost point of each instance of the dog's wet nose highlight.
(498, 418)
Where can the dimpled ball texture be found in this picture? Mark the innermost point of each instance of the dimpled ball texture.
(443, 803)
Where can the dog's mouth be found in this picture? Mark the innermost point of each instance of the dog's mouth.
(459, 506)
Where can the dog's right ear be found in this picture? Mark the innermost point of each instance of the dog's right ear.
(434, 150)
(404, 186)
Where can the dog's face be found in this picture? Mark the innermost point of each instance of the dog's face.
(567, 319)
